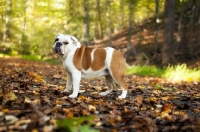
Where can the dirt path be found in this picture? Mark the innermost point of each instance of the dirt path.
(31, 98)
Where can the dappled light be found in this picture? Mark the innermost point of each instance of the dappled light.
(160, 40)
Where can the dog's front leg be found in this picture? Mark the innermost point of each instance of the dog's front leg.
(69, 83)
(76, 78)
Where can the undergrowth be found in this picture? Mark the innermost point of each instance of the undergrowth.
(174, 73)
(37, 58)
(74, 124)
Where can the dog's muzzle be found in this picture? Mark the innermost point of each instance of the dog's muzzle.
(57, 47)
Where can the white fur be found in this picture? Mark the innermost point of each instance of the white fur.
(74, 75)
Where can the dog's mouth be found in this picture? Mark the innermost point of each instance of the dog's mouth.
(58, 50)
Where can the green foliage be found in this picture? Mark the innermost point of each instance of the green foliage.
(145, 71)
(182, 73)
(76, 124)
(174, 73)
(35, 23)
(158, 86)
(38, 58)
(31, 57)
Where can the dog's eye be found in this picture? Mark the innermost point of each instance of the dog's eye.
(65, 43)
(56, 39)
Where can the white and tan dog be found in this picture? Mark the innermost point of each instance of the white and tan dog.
(85, 62)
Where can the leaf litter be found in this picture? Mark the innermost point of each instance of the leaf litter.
(31, 99)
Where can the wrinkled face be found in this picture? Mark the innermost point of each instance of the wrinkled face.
(64, 43)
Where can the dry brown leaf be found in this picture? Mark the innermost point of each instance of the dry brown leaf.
(69, 115)
(139, 100)
(91, 108)
(165, 98)
(167, 107)
(112, 122)
(82, 97)
(9, 97)
(10, 119)
(85, 112)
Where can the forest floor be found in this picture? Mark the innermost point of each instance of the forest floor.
(31, 99)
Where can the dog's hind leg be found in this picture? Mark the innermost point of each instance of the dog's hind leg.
(117, 71)
(111, 85)
(120, 82)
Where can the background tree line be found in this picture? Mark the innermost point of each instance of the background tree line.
(29, 26)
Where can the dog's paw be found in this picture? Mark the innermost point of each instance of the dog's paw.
(121, 97)
(106, 92)
(103, 93)
(72, 96)
(66, 90)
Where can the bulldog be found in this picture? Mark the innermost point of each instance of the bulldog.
(81, 61)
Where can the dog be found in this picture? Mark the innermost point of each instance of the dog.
(81, 61)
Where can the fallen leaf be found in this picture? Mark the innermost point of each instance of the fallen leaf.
(9, 97)
(10, 119)
(70, 115)
(139, 100)
(167, 107)
(167, 89)
(91, 108)
(165, 98)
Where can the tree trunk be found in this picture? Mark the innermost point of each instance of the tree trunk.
(7, 33)
(86, 21)
(199, 31)
(179, 36)
(130, 22)
(192, 29)
(108, 23)
(168, 48)
(23, 43)
(157, 22)
(121, 24)
(130, 46)
(99, 23)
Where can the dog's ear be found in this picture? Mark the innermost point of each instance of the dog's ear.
(75, 41)
(57, 35)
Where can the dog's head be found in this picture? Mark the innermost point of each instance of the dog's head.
(64, 43)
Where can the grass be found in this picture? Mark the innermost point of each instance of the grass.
(176, 73)
(182, 73)
(145, 71)
(37, 58)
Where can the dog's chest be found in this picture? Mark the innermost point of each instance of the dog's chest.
(68, 63)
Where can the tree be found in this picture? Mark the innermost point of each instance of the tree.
(99, 34)
(34, 23)
(130, 46)
(167, 47)
(108, 22)
(86, 22)
(121, 24)
(157, 23)
(7, 33)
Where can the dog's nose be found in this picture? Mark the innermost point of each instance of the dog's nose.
(58, 44)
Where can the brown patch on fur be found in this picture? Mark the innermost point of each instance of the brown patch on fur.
(78, 57)
(99, 59)
(87, 60)
(118, 66)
